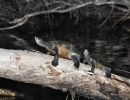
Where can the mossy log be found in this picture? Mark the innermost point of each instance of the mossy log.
(36, 68)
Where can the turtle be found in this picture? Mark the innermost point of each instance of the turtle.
(66, 49)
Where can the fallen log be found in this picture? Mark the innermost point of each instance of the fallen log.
(36, 68)
(7, 93)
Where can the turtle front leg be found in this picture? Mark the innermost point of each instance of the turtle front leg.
(107, 71)
(76, 59)
(55, 61)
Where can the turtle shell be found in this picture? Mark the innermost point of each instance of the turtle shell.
(65, 48)
(64, 44)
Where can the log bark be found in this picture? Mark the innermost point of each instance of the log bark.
(36, 68)
(7, 93)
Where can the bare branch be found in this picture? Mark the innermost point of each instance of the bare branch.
(22, 21)
(122, 18)
(60, 9)
(107, 18)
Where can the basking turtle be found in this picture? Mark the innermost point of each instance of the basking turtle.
(66, 50)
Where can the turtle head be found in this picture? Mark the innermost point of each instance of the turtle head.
(38, 41)
(43, 43)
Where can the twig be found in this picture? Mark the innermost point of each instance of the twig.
(122, 18)
(17, 25)
(106, 18)
(67, 96)
(120, 8)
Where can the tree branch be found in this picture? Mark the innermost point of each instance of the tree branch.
(59, 7)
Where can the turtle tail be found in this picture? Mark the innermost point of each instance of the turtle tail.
(42, 43)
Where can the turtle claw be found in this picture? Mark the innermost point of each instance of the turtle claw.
(90, 73)
(48, 53)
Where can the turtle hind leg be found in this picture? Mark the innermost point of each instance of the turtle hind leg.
(93, 64)
(55, 61)
(107, 71)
